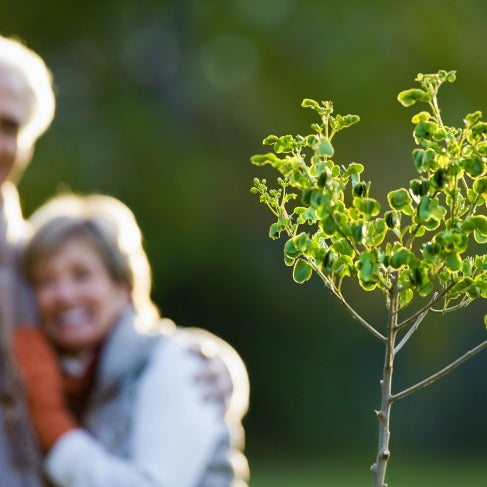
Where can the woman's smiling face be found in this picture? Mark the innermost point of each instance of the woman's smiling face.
(77, 299)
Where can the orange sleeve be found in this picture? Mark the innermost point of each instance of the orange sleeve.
(44, 386)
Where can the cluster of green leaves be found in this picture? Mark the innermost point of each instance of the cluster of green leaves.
(428, 236)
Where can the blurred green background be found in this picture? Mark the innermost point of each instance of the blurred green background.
(162, 103)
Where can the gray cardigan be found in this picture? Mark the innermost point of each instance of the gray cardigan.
(146, 423)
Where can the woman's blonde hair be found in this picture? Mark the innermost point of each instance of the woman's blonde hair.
(110, 227)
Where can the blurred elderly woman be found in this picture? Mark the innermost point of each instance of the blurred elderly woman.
(122, 408)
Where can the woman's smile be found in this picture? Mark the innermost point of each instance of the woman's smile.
(77, 298)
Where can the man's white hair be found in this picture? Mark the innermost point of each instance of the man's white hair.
(15, 55)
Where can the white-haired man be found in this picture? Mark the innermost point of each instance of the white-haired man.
(27, 105)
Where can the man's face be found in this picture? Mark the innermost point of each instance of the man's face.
(13, 115)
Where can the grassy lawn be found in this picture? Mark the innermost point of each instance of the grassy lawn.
(447, 473)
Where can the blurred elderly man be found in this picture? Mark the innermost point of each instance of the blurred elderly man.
(27, 106)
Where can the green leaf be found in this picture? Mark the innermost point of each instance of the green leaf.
(430, 208)
(359, 231)
(418, 231)
(473, 118)
(467, 266)
(328, 260)
(419, 187)
(328, 226)
(290, 249)
(368, 285)
(432, 252)
(474, 166)
(479, 129)
(322, 179)
(392, 219)
(376, 233)
(302, 271)
(479, 238)
(475, 223)
(360, 189)
(301, 242)
(310, 215)
(343, 265)
(399, 199)
(452, 240)
(439, 179)
(275, 231)
(289, 261)
(405, 297)
(284, 144)
(431, 224)
(367, 206)
(423, 159)
(425, 130)
(317, 199)
(460, 287)
(421, 117)
(354, 168)
(480, 187)
(453, 261)
(343, 248)
(368, 266)
(349, 120)
(325, 148)
(261, 159)
(426, 289)
(270, 139)
(312, 140)
(410, 97)
(424, 209)
(479, 287)
(451, 76)
(401, 257)
(309, 103)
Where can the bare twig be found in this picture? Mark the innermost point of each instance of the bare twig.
(349, 308)
(405, 322)
(411, 330)
(438, 375)
(461, 305)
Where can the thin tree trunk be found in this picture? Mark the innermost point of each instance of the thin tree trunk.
(383, 453)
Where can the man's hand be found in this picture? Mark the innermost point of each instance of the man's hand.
(215, 374)
(224, 372)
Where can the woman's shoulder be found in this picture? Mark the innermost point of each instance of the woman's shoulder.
(173, 355)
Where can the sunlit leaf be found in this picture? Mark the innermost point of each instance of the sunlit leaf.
(302, 271)
(325, 148)
(410, 97)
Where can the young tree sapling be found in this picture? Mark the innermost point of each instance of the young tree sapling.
(418, 252)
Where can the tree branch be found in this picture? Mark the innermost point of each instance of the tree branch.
(461, 305)
(435, 299)
(411, 330)
(349, 308)
(438, 375)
